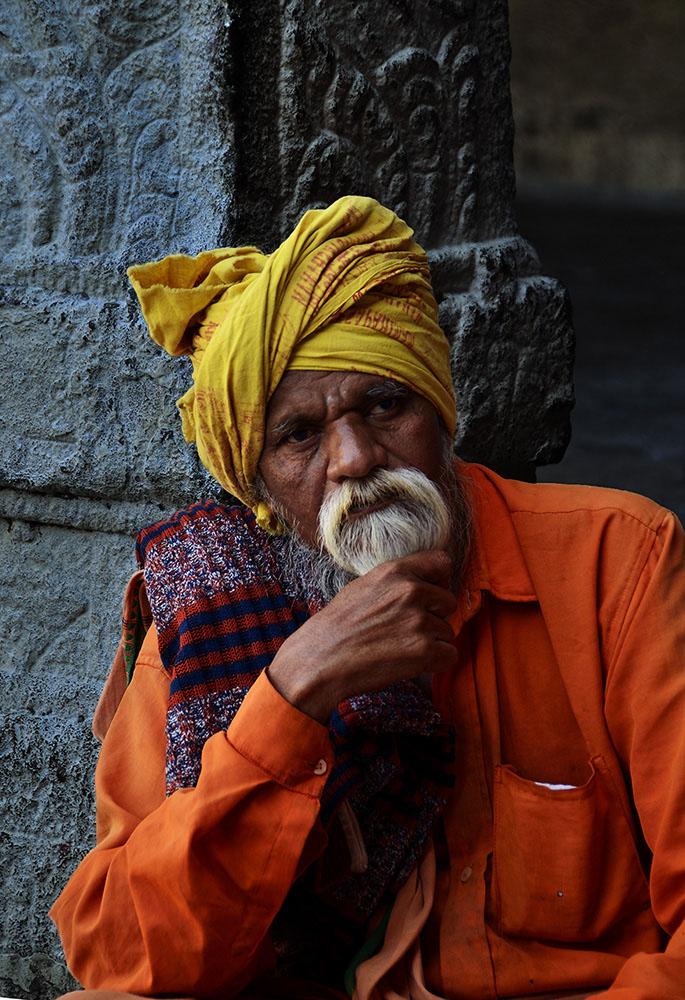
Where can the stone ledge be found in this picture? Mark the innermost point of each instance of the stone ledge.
(82, 513)
(464, 267)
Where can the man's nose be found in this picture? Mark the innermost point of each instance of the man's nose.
(353, 450)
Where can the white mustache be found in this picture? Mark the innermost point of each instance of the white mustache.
(415, 519)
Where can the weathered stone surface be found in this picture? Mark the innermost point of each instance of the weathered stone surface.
(512, 383)
(416, 112)
(60, 593)
(90, 411)
(112, 516)
(129, 130)
(407, 102)
(110, 140)
(50, 791)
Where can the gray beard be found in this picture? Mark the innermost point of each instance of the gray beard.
(314, 574)
(308, 571)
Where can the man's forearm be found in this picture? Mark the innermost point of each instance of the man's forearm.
(184, 900)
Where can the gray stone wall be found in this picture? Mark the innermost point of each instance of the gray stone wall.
(129, 130)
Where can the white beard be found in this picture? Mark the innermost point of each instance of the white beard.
(314, 571)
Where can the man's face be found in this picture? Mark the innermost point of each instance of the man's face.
(325, 427)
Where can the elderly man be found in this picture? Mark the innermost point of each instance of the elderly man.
(403, 729)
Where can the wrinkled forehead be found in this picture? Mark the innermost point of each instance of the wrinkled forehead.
(315, 395)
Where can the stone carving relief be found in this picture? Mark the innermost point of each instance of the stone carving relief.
(90, 151)
(399, 108)
(87, 93)
(382, 108)
(512, 361)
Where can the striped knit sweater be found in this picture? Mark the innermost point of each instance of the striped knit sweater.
(223, 605)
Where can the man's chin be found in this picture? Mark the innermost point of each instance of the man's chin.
(348, 546)
(312, 568)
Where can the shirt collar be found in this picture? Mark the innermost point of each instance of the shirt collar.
(495, 563)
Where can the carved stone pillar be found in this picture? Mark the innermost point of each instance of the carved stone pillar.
(131, 129)
(409, 102)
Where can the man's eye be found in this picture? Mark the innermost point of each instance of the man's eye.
(298, 435)
(384, 405)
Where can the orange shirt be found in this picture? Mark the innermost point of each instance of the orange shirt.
(571, 637)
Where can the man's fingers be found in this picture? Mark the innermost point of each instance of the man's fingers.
(442, 630)
(439, 601)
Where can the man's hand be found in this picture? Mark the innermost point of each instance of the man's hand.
(386, 626)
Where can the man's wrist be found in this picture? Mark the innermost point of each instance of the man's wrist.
(305, 693)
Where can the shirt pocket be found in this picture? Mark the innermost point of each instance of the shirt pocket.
(565, 865)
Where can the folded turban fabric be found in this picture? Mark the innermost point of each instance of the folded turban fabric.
(348, 290)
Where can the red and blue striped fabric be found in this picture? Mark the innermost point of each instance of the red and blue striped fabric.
(222, 608)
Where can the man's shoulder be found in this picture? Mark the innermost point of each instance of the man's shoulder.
(205, 548)
(573, 503)
(568, 540)
(207, 555)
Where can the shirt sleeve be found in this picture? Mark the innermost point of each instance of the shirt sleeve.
(179, 893)
(645, 712)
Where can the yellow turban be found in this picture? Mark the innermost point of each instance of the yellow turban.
(348, 289)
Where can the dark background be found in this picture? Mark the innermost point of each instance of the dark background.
(599, 106)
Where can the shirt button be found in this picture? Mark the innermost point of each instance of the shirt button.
(320, 767)
(467, 873)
